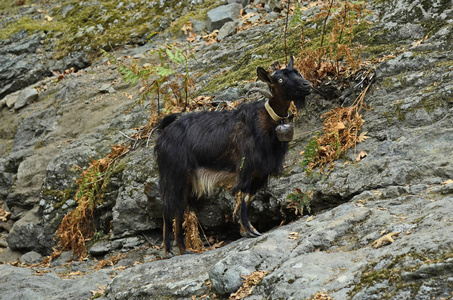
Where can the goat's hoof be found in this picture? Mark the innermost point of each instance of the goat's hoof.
(254, 233)
(186, 252)
(251, 234)
(169, 254)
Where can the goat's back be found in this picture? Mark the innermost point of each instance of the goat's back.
(240, 140)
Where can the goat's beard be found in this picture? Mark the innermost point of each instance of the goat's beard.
(300, 103)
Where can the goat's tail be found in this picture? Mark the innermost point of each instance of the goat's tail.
(162, 124)
(167, 120)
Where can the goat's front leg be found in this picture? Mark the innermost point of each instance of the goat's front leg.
(243, 201)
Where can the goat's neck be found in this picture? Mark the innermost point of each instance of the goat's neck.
(280, 106)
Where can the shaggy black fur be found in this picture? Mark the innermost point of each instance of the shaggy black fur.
(241, 142)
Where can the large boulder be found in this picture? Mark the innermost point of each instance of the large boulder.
(218, 16)
(28, 235)
(24, 284)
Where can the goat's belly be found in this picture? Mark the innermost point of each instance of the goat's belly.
(205, 181)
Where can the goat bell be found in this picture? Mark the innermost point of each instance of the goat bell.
(285, 132)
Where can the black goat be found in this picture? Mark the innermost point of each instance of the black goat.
(198, 151)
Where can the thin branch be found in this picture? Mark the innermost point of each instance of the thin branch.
(325, 22)
(128, 136)
(286, 31)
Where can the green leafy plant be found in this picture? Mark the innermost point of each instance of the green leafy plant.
(299, 200)
(310, 153)
(161, 80)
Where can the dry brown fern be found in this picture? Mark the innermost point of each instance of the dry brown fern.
(193, 241)
(77, 226)
(340, 132)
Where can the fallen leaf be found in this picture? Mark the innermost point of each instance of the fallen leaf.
(362, 154)
(419, 42)
(362, 137)
(340, 125)
(293, 235)
(310, 218)
(322, 296)
(447, 181)
(386, 239)
(71, 274)
(100, 291)
(248, 284)
(188, 29)
(59, 75)
(216, 245)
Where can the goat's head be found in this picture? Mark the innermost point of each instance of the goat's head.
(287, 84)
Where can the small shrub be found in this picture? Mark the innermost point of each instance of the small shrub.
(333, 52)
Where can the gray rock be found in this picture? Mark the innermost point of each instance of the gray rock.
(66, 9)
(37, 126)
(64, 257)
(77, 60)
(227, 30)
(244, 3)
(31, 257)
(26, 97)
(198, 26)
(273, 5)
(22, 284)
(230, 94)
(401, 185)
(11, 99)
(134, 212)
(28, 235)
(28, 45)
(180, 282)
(271, 16)
(226, 274)
(19, 64)
(107, 88)
(100, 248)
(218, 16)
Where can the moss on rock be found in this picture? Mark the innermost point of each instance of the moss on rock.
(59, 197)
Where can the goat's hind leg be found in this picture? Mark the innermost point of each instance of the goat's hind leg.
(179, 235)
(167, 242)
(243, 201)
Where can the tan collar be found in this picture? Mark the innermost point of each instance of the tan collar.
(272, 113)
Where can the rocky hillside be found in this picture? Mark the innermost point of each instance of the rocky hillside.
(380, 227)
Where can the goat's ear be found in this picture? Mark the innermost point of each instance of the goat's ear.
(290, 63)
(264, 75)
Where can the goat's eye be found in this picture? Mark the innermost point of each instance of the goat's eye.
(280, 80)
